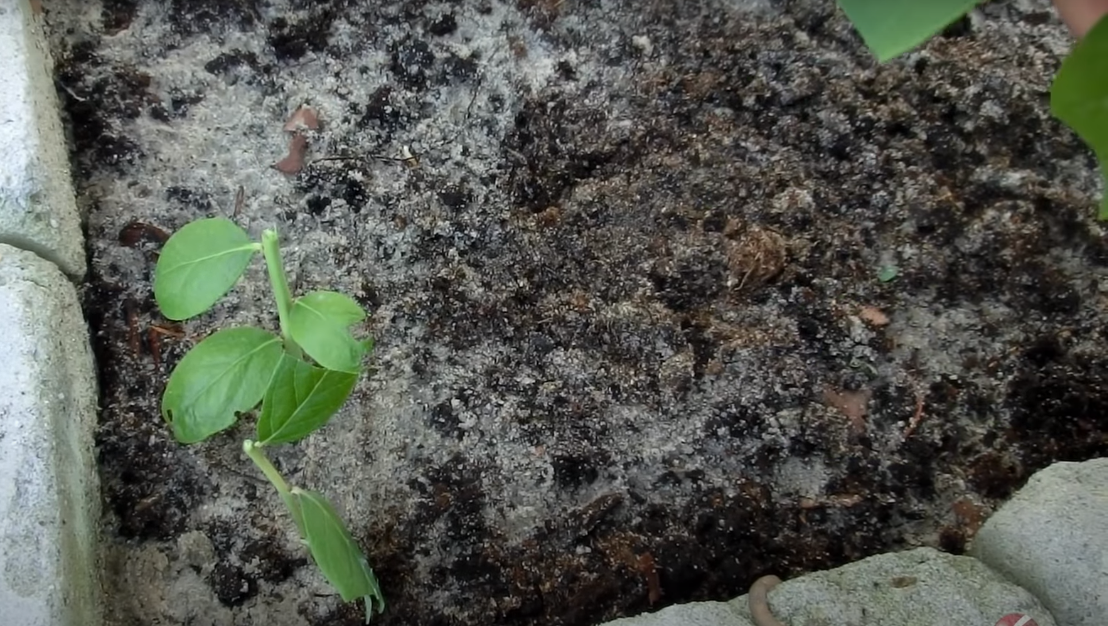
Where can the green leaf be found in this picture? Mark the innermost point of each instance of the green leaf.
(335, 551)
(300, 400)
(293, 504)
(1079, 95)
(892, 27)
(225, 374)
(199, 264)
(320, 321)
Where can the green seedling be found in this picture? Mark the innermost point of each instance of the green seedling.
(300, 378)
(1078, 97)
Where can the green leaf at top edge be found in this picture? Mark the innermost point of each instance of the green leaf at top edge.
(300, 400)
(225, 374)
(1079, 96)
(199, 264)
(319, 322)
(892, 27)
(335, 552)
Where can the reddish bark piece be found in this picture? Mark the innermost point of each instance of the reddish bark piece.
(1017, 619)
(294, 162)
(303, 118)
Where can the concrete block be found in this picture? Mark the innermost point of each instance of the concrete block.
(49, 492)
(1052, 539)
(38, 211)
(913, 588)
(692, 614)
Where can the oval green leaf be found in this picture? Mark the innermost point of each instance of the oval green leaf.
(1079, 96)
(319, 322)
(199, 264)
(225, 374)
(300, 400)
(892, 27)
(335, 551)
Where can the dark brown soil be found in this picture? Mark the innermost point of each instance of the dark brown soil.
(625, 311)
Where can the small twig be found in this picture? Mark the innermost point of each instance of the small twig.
(240, 199)
(133, 340)
(243, 475)
(155, 343)
(918, 416)
(168, 332)
(71, 92)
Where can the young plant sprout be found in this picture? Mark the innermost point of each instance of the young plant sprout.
(234, 369)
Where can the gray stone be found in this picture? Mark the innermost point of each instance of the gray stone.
(921, 587)
(693, 614)
(48, 482)
(1052, 538)
(38, 211)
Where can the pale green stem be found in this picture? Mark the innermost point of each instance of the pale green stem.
(279, 282)
(257, 455)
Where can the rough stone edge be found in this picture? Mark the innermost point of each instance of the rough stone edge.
(49, 537)
(860, 578)
(46, 219)
(793, 600)
(53, 249)
(691, 614)
(1015, 542)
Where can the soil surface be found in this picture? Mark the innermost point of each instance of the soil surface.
(670, 296)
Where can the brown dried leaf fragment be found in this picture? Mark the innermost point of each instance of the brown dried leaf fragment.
(303, 118)
(135, 232)
(650, 573)
(917, 417)
(873, 316)
(971, 515)
(294, 162)
(852, 404)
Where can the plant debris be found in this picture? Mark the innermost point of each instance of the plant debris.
(294, 161)
(873, 316)
(303, 118)
(852, 404)
(136, 232)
